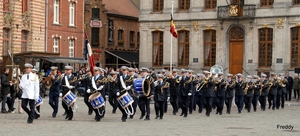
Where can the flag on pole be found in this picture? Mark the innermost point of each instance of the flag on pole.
(89, 54)
(173, 28)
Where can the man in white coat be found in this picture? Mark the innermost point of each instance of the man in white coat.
(30, 85)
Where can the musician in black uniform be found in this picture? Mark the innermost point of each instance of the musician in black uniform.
(281, 91)
(133, 75)
(249, 92)
(54, 90)
(199, 92)
(229, 91)
(68, 83)
(239, 92)
(185, 92)
(256, 93)
(85, 83)
(42, 92)
(144, 101)
(208, 92)
(98, 84)
(264, 92)
(161, 96)
(112, 91)
(193, 88)
(124, 84)
(175, 80)
(273, 91)
(165, 78)
(220, 94)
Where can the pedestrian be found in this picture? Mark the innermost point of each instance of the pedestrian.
(296, 86)
(5, 88)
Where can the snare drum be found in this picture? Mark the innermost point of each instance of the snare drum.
(125, 100)
(39, 102)
(96, 100)
(69, 98)
(141, 87)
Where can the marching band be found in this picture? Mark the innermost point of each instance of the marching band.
(127, 90)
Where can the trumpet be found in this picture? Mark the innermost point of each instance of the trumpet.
(202, 84)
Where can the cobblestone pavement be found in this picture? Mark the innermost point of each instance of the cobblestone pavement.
(254, 123)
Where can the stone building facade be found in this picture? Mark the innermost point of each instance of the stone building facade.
(241, 36)
(22, 26)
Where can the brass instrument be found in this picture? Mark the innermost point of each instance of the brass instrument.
(48, 81)
(103, 80)
(247, 87)
(82, 77)
(164, 87)
(178, 79)
(202, 84)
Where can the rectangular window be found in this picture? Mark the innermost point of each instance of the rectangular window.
(296, 2)
(210, 4)
(95, 37)
(120, 38)
(138, 39)
(56, 12)
(56, 45)
(131, 39)
(265, 47)
(183, 48)
(266, 3)
(25, 6)
(71, 48)
(157, 47)
(72, 13)
(24, 40)
(5, 41)
(184, 4)
(295, 42)
(95, 13)
(209, 48)
(6, 4)
(158, 5)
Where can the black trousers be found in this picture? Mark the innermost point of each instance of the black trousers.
(191, 103)
(30, 112)
(184, 104)
(220, 104)
(272, 101)
(113, 102)
(228, 103)
(68, 110)
(99, 113)
(144, 105)
(263, 102)
(296, 93)
(208, 104)
(255, 101)
(159, 107)
(199, 102)
(279, 100)
(53, 102)
(288, 95)
(248, 101)
(174, 102)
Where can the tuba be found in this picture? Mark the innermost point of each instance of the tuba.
(48, 82)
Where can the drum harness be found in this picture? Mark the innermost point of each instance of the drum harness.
(97, 89)
(128, 112)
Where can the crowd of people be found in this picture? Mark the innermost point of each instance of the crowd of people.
(129, 88)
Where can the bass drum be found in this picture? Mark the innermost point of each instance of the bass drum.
(141, 87)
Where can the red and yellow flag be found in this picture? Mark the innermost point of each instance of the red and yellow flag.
(173, 28)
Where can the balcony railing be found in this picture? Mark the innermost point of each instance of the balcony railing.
(244, 12)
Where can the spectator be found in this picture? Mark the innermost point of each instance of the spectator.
(296, 86)
(5, 88)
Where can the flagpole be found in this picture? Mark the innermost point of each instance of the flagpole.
(171, 42)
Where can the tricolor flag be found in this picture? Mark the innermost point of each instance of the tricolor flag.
(173, 28)
(89, 54)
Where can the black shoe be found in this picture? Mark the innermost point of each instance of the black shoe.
(98, 120)
(282, 107)
(123, 120)
(113, 111)
(131, 117)
(185, 116)
(220, 113)
(156, 117)
(160, 118)
(269, 107)
(165, 111)
(90, 112)
(4, 112)
(254, 110)
(240, 112)
(142, 116)
(70, 118)
(67, 116)
(273, 108)
(53, 116)
(217, 112)
(181, 114)
(37, 116)
(207, 114)
(190, 112)
(147, 118)
(29, 121)
(174, 113)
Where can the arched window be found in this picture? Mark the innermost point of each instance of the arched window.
(183, 48)
(157, 47)
(265, 42)
(209, 47)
